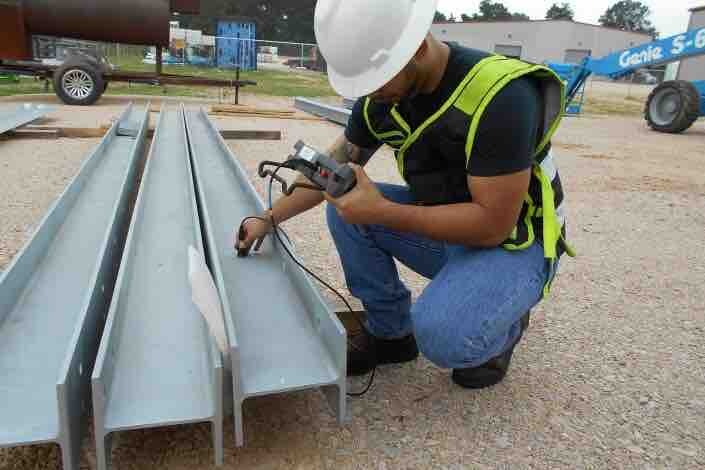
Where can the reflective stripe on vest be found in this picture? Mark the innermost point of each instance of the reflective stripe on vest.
(453, 98)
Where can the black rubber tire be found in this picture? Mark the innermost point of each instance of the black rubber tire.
(684, 117)
(95, 92)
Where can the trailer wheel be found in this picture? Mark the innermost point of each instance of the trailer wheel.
(672, 107)
(78, 82)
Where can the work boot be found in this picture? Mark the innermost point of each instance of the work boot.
(365, 351)
(493, 371)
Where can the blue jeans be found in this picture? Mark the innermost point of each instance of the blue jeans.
(471, 310)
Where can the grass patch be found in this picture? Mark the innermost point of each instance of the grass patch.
(626, 107)
(285, 83)
(638, 99)
(26, 86)
(290, 82)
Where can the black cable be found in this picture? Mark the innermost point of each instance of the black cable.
(276, 230)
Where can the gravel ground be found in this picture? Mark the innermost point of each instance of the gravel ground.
(611, 374)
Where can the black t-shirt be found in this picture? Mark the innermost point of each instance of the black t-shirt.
(507, 135)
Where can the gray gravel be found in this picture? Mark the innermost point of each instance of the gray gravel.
(611, 374)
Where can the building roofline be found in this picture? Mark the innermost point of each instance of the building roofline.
(546, 21)
(695, 9)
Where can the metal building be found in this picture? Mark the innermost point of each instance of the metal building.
(540, 40)
(694, 68)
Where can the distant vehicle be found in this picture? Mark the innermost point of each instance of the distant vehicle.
(643, 76)
(150, 58)
(200, 61)
(306, 64)
(673, 106)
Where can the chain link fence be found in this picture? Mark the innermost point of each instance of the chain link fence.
(196, 50)
(208, 52)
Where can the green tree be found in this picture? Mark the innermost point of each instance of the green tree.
(465, 17)
(629, 15)
(496, 11)
(280, 19)
(560, 12)
(440, 18)
(275, 19)
(492, 11)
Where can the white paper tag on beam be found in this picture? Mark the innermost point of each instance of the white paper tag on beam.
(205, 296)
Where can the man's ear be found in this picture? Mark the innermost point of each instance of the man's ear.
(422, 50)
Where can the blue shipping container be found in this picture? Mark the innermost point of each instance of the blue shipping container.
(235, 45)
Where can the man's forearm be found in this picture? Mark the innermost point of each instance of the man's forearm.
(300, 201)
(466, 224)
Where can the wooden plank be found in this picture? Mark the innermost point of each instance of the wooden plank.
(294, 118)
(251, 135)
(74, 132)
(31, 134)
(53, 132)
(272, 115)
(265, 115)
(248, 110)
(242, 135)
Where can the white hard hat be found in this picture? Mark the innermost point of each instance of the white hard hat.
(368, 42)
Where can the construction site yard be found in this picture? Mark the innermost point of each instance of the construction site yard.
(610, 375)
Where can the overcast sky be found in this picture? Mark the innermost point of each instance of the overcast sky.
(670, 16)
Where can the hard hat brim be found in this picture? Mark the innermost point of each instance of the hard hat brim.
(376, 77)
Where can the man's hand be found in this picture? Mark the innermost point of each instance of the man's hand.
(362, 205)
(254, 229)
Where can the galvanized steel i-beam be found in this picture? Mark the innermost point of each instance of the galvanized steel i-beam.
(332, 113)
(158, 364)
(282, 336)
(54, 297)
(12, 117)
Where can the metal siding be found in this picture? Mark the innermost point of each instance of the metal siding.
(576, 56)
(694, 68)
(541, 41)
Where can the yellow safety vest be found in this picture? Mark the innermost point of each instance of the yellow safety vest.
(427, 157)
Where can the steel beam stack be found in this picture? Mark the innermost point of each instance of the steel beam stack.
(92, 268)
(158, 364)
(332, 113)
(282, 336)
(16, 116)
(54, 297)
